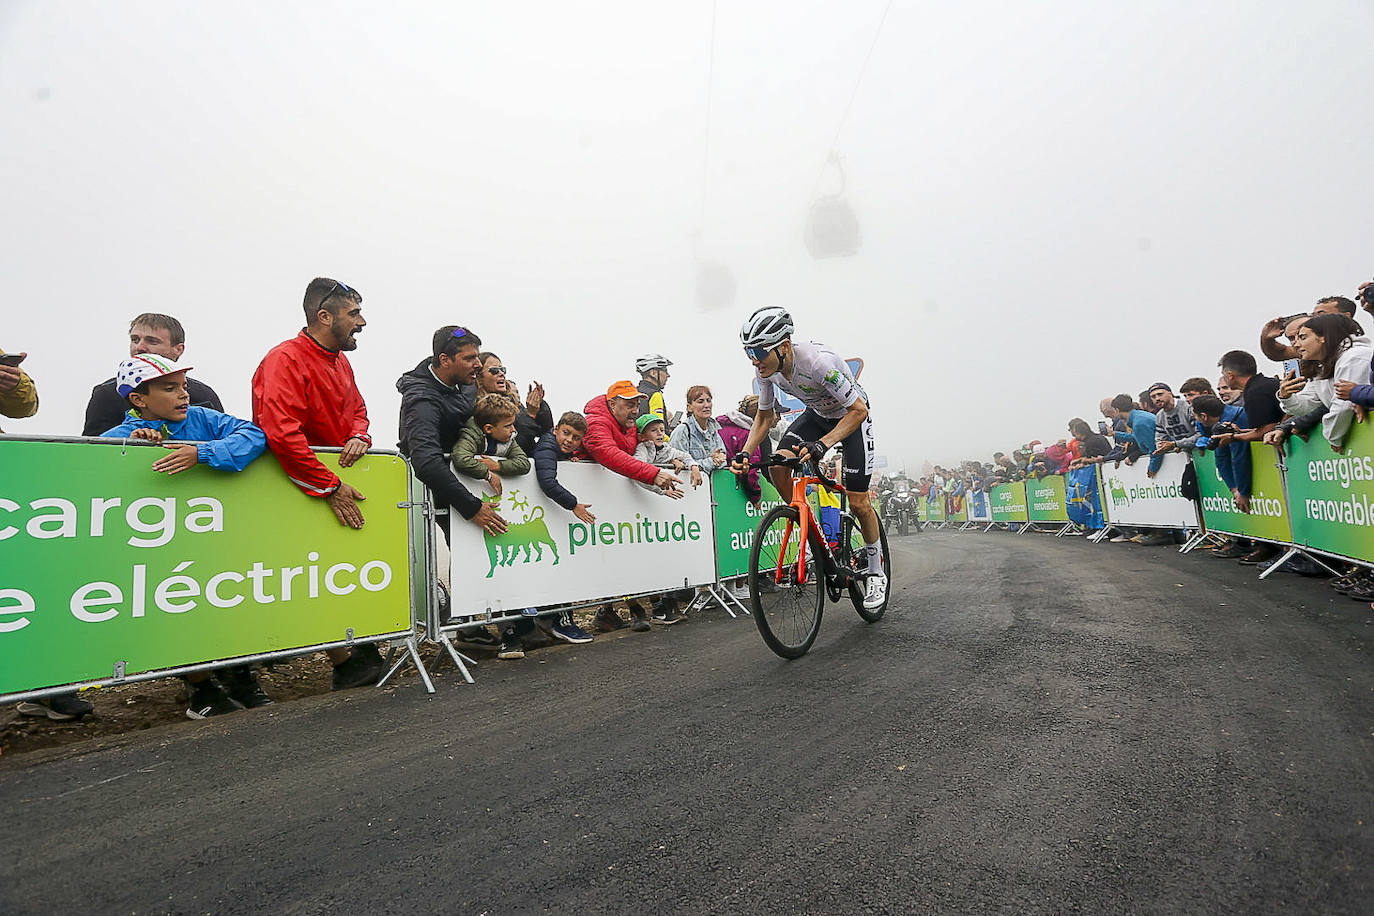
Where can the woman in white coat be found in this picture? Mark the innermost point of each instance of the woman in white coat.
(1336, 346)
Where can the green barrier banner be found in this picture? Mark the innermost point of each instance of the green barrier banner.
(1008, 503)
(1268, 516)
(922, 515)
(736, 521)
(1331, 496)
(105, 563)
(935, 511)
(1046, 500)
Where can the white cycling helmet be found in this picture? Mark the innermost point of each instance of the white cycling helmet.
(650, 361)
(767, 327)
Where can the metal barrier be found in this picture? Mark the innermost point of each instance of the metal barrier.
(112, 572)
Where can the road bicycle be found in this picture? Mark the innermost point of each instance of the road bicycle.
(794, 567)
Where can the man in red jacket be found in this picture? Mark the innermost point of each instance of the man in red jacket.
(304, 395)
(610, 441)
(611, 438)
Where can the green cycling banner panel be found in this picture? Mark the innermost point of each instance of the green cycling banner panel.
(736, 521)
(1331, 496)
(1046, 500)
(105, 562)
(1268, 515)
(1008, 503)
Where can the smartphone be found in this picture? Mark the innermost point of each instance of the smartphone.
(11, 359)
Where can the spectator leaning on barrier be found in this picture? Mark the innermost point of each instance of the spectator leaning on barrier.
(304, 395)
(18, 394)
(1338, 345)
(699, 434)
(163, 336)
(611, 441)
(1232, 456)
(734, 432)
(1139, 436)
(1259, 399)
(436, 402)
(487, 450)
(160, 411)
(1173, 423)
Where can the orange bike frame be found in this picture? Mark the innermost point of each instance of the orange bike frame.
(803, 507)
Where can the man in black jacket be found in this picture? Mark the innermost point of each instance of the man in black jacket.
(436, 401)
(148, 333)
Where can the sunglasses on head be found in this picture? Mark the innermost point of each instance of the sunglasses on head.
(337, 287)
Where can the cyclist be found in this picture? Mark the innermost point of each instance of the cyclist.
(836, 412)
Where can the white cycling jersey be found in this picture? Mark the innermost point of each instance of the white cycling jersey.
(820, 380)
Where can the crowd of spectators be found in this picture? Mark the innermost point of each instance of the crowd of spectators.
(1323, 380)
(462, 421)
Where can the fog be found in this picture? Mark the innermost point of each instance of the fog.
(1058, 201)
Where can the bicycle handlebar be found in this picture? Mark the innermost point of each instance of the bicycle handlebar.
(796, 463)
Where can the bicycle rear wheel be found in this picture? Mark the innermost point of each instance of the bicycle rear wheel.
(787, 614)
(855, 557)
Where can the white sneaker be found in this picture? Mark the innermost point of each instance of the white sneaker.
(740, 590)
(875, 592)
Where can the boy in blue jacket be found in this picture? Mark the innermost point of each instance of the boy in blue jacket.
(159, 409)
(561, 444)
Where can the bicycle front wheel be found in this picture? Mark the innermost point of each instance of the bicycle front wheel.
(787, 613)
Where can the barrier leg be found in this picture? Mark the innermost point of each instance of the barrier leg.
(1274, 567)
(458, 657)
(721, 593)
(1065, 529)
(410, 653)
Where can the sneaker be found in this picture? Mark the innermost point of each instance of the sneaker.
(242, 686)
(1119, 539)
(511, 648)
(59, 709)
(1259, 555)
(608, 621)
(875, 591)
(666, 615)
(479, 636)
(639, 622)
(568, 631)
(1362, 592)
(355, 671)
(209, 699)
(1138, 539)
(740, 589)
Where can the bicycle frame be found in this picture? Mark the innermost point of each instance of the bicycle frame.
(806, 521)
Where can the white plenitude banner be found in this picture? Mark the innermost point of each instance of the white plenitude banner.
(641, 542)
(1131, 497)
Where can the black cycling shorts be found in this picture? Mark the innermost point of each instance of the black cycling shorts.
(858, 446)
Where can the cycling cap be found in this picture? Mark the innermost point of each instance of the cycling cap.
(767, 327)
(651, 361)
(144, 367)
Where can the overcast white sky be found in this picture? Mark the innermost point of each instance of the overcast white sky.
(1059, 200)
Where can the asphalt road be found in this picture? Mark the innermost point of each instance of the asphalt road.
(1037, 726)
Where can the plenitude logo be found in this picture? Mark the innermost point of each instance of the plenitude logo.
(527, 538)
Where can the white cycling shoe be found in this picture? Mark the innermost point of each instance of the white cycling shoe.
(875, 592)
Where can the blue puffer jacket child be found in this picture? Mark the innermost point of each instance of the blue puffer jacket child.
(225, 443)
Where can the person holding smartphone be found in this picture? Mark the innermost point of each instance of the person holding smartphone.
(18, 394)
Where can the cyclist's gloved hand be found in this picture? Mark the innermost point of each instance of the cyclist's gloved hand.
(813, 450)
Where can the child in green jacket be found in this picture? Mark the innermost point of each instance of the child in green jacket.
(486, 447)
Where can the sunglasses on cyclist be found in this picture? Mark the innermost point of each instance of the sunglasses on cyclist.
(758, 353)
